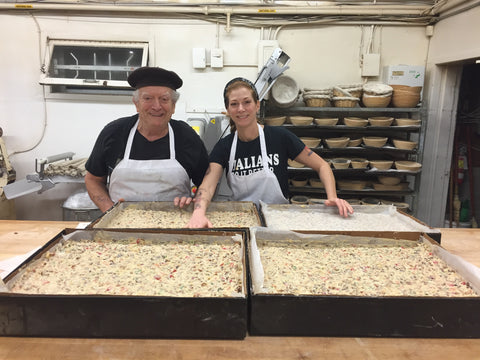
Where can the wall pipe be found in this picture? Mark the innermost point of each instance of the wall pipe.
(377, 10)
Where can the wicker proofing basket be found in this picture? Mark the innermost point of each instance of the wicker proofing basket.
(317, 101)
(347, 102)
(380, 101)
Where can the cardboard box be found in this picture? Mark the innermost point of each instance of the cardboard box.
(404, 75)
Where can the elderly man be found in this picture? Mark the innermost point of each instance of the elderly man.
(147, 156)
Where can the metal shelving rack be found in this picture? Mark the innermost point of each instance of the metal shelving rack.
(387, 152)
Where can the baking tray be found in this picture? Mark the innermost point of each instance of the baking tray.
(111, 316)
(361, 316)
(389, 222)
(106, 220)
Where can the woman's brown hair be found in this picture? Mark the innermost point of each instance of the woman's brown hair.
(234, 84)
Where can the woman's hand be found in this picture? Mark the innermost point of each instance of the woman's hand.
(344, 208)
(183, 201)
(199, 221)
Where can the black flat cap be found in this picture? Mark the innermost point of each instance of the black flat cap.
(154, 76)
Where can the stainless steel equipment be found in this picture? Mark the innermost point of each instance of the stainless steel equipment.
(273, 68)
(7, 176)
(40, 181)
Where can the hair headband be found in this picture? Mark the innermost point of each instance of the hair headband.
(239, 79)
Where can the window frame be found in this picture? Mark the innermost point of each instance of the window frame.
(103, 85)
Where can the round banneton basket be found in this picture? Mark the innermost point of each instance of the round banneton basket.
(310, 91)
(380, 120)
(375, 141)
(379, 101)
(407, 122)
(358, 163)
(326, 121)
(405, 144)
(355, 142)
(340, 163)
(355, 121)
(285, 91)
(351, 184)
(299, 181)
(345, 101)
(381, 164)
(299, 120)
(416, 89)
(311, 142)
(338, 142)
(317, 100)
(275, 120)
(377, 89)
(315, 182)
(403, 98)
(354, 90)
(389, 180)
(299, 199)
(408, 165)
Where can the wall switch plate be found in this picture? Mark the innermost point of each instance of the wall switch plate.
(216, 58)
(371, 65)
(199, 58)
(265, 51)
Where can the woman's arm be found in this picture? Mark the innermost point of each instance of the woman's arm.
(204, 196)
(98, 192)
(325, 173)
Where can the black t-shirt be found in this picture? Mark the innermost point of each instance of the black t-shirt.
(109, 148)
(281, 146)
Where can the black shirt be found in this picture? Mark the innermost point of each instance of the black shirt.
(281, 145)
(109, 148)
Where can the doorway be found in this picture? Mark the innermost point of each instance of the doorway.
(463, 203)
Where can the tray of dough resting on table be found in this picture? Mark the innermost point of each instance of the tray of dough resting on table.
(386, 220)
(342, 285)
(163, 214)
(128, 283)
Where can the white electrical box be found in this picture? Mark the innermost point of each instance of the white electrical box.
(216, 58)
(265, 50)
(371, 65)
(404, 75)
(199, 58)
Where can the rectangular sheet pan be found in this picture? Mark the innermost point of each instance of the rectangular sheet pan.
(360, 316)
(124, 316)
(385, 219)
(106, 220)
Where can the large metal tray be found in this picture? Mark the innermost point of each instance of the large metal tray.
(393, 223)
(124, 316)
(357, 316)
(105, 221)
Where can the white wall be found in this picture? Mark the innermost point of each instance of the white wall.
(35, 127)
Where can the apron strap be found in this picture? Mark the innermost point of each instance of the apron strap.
(263, 149)
(128, 147)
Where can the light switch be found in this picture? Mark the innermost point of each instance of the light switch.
(199, 58)
(216, 58)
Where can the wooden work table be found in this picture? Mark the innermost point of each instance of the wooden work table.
(20, 237)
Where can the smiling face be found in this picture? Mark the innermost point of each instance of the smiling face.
(155, 106)
(242, 107)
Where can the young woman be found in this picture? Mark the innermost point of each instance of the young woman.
(255, 158)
